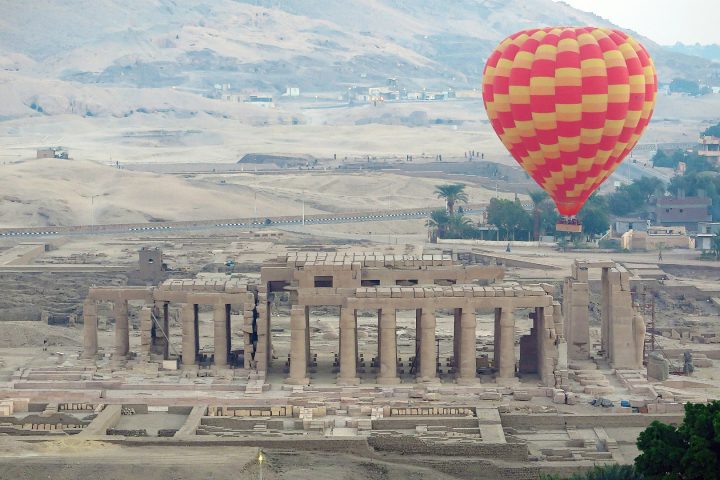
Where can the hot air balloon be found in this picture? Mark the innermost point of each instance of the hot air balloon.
(569, 103)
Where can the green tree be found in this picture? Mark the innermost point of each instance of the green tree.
(549, 216)
(680, 85)
(602, 472)
(662, 159)
(716, 246)
(438, 221)
(634, 197)
(452, 193)
(460, 226)
(538, 197)
(713, 131)
(693, 161)
(688, 452)
(593, 216)
(620, 203)
(509, 216)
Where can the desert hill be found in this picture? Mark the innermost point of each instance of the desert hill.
(88, 51)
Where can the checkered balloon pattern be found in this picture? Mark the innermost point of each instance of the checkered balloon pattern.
(569, 103)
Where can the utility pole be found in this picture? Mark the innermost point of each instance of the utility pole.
(388, 208)
(92, 211)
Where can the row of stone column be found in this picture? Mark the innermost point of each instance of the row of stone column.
(426, 357)
(191, 334)
(90, 327)
(190, 330)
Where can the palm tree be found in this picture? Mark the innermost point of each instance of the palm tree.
(458, 224)
(439, 220)
(537, 197)
(452, 193)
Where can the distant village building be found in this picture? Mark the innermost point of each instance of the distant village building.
(53, 152)
(265, 102)
(291, 92)
(712, 228)
(232, 97)
(704, 241)
(622, 225)
(683, 211)
(655, 237)
(710, 147)
(707, 231)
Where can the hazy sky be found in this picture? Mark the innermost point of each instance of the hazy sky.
(664, 21)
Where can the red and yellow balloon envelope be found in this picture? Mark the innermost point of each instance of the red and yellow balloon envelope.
(569, 103)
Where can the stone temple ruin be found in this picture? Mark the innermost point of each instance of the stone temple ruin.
(458, 363)
(382, 284)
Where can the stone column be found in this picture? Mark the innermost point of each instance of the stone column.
(467, 367)
(308, 354)
(187, 317)
(146, 324)
(604, 312)
(220, 334)
(457, 338)
(298, 347)
(497, 334)
(122, 328)
(90, 327)
(428, 362)
(576, 297)
(196, 327)
(418, 330)
(507, 344)
(621, 351)
(348, 348)
(165, 313)
(256, 355)
(387, 335)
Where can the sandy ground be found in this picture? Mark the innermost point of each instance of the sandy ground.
(69, 459)
(48, 192)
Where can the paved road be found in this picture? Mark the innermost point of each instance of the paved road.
(241, 223)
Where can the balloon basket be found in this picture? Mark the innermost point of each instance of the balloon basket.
(568, 227)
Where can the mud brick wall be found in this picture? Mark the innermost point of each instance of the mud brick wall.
(602, 419)
(238, 423)
(127, 433)
(476, 469)
(409, 422)
(408, 445)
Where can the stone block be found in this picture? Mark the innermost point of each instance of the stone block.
(522, 396)
(493, 396)
(597, 390)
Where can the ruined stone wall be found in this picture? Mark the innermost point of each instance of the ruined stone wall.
(586, 421)
(395, 423)
(477, 469)
(24, 296)
(411, 445)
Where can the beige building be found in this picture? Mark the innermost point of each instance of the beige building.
(710, 147)
(656, 238)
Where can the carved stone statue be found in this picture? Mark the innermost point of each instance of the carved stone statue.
(688, 367)
(638, 329)
(658, 368)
